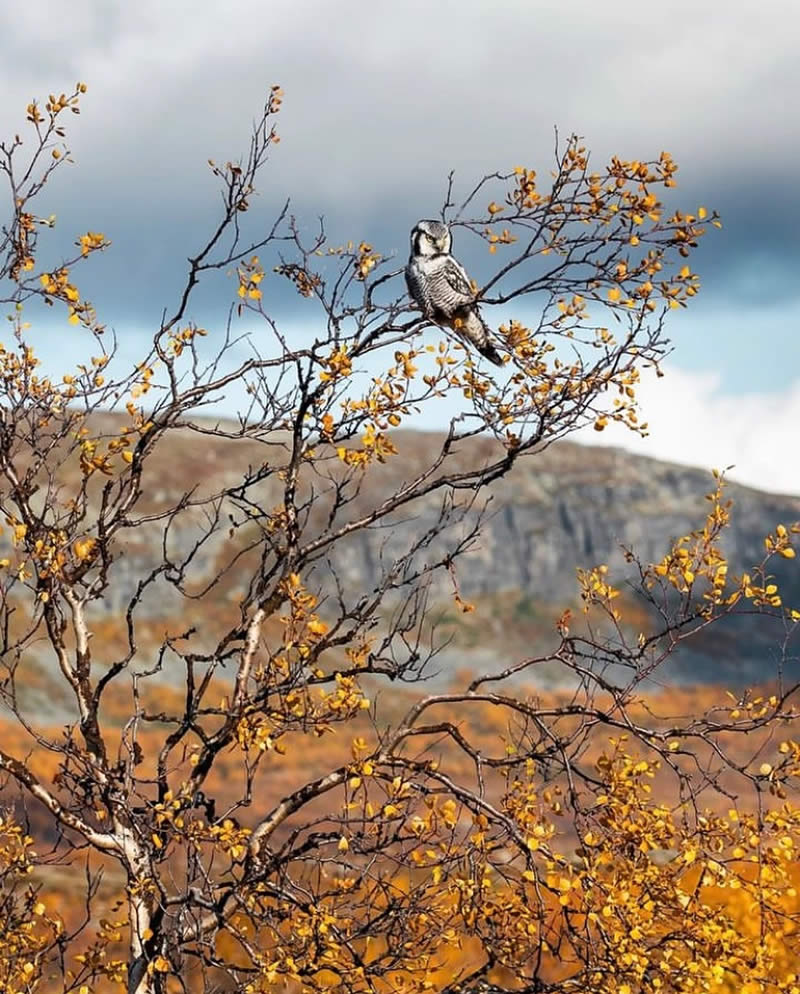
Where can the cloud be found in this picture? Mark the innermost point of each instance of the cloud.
(693, 421)
(423, 84)
(382, 100)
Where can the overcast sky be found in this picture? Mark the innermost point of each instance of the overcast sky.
(383, 99)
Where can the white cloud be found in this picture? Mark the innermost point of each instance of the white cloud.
(693, 421)
(387, 98)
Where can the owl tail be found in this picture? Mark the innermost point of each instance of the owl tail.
(491, 353)
(473, 329)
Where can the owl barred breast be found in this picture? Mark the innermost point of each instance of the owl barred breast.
(439, 285)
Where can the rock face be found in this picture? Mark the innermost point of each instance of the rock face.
(567, 506)
(574, 505)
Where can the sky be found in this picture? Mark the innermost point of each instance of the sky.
(384, 99)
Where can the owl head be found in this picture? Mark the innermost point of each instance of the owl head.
(430, 238)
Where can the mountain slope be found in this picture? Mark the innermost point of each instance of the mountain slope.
(567, 506)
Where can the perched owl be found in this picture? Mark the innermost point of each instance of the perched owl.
(442, 289)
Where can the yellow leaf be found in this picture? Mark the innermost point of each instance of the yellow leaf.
(84, 547)
(614, 293)
(344, 845)
(702, 212)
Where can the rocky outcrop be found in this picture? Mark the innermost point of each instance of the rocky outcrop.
(567, 506)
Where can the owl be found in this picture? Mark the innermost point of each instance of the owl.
(442, 290)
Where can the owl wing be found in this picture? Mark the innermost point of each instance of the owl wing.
(458, 283)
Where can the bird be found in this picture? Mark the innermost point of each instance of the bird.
(440, 287)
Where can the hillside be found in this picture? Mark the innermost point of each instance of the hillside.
(567, 506)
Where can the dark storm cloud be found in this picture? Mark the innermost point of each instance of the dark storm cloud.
(383, 100)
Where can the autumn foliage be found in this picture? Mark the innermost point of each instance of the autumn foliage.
(227, 808)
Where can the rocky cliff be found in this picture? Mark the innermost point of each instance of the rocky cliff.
(567, 506)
